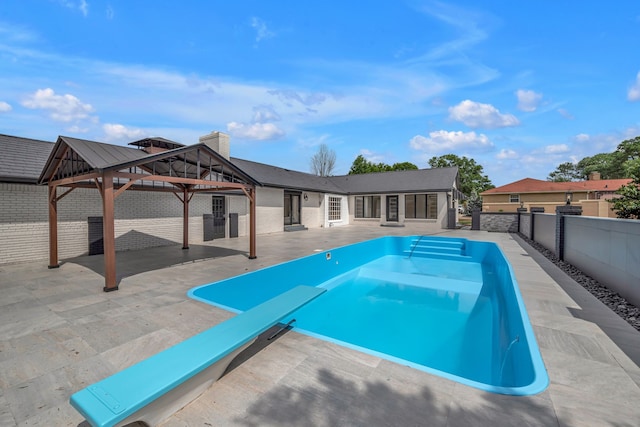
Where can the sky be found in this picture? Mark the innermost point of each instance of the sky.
(518, 86)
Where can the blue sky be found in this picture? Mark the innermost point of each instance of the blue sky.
(518, 86)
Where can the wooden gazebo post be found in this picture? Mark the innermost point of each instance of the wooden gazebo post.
(185, 217)
(53, 228)
(252, 222)
(108, 232)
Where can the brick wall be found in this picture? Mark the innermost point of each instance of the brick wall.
(143, 219)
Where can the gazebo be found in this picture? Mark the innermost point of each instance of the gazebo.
(157, 164)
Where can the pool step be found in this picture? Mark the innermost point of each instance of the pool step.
(422, 280)
(433, 245)
(437, 255)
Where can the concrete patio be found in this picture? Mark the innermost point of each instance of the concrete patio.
(59, 333)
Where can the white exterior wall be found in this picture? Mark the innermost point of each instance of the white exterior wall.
(269, 210)
(312, 215)
(142, 219)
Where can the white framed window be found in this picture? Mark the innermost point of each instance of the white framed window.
(335, 209)
(514, 198)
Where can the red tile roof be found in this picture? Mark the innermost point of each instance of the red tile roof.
(530, 185)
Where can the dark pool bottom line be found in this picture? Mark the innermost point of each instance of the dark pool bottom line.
(446, 306)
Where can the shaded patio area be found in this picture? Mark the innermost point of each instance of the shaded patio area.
(57, 335)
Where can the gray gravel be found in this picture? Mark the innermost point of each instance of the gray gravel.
(611, 299)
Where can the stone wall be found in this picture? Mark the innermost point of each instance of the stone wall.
(504, 222)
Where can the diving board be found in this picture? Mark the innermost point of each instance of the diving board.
(155, 388)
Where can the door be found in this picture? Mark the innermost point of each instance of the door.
(392, 208)
(291, 208)
(218, 217)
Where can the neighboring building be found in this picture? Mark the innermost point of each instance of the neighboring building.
(286, 200)
(591, 195)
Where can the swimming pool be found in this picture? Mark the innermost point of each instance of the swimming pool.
(448, 306)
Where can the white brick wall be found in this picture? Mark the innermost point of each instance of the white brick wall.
(143, 219)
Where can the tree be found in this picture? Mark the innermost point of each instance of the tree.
(323, 162)
(361, 165)
(628, 204)
(472, 178)
(565, 172)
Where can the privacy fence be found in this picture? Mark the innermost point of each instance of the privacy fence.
(607, 249)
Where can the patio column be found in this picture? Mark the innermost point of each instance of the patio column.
(53, 228)
(185, 217)
(108, 232)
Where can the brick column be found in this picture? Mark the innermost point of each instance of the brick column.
(561, 212)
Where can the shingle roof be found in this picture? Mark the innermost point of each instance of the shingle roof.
(22, 158)
(530, 185)
(274, 176)
(437, 179)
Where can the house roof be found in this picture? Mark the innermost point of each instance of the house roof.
(438, 179)
(26, 160)
(22, 158)
(274, 176)
(530, 185)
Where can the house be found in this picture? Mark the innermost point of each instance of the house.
(284, 199)
(591, 195)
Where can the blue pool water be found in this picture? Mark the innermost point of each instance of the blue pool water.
(446, 306)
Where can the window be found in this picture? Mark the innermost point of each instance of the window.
(421, 206)
(367, 206)
(514, 198)
(335, 208)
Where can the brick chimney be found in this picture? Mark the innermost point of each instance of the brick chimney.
(594, 176)
(218, 141)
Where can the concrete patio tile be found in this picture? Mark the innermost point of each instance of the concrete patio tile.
(600, 380)
(6, 417)
(577, 408)
(135, 350)
(577, 345)
(473, 407)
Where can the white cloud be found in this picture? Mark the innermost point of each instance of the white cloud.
(81, 5)
(634, 90)
(77, 129)
(528, 100)
(262, 32)
(372, 157)
(442, 140)
(566, 114)
(556, 149)
(581, 137)
(110, 12)
(118, 132)
(5, 107)
(478, 115)
(506, 153)
(259, 131)
(63, 108)
(265, 113)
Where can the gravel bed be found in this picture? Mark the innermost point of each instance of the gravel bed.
(611, 299)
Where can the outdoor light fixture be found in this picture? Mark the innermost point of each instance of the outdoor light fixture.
(568, 196)
(306, 197)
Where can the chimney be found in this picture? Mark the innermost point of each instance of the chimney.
(594, 176)
(218, 141)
